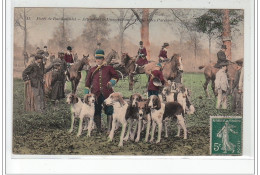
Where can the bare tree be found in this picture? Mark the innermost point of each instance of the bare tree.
(126, 19)
(189, 25)
(20, 21)
(96, 31)
(144, 17)
(61, 34)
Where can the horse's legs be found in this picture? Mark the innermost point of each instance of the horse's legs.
(213, 86)
(206, 87)
(76, 84)
(131, 81)
(73, 86)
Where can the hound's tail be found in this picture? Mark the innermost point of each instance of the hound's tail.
(201, 67)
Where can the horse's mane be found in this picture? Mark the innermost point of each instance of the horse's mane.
(126, 59)
(78, 66)
(175, 56)
(110, 56)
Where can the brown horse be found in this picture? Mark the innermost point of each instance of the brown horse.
(74, 72)
(129, 67)
(210, 75)
(170, 68)
(112, 57)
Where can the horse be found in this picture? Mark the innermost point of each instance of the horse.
(112, 58)
(74, 72)
(129, 64)
(210, 75)
(170, 68)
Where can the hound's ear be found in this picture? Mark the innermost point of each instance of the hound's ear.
(140, 97)
(158, 102)
(131, 98)
(86, 99)
(121, 101)
(147, 101)
(146, 104)
(75, 99)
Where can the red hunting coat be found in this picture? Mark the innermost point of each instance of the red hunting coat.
(163, 54)
(157, 74)
(68, 58)
(97, 80)
(141, 55)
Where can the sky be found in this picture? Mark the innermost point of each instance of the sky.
(43, 21)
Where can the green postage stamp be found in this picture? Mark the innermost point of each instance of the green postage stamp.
(225, 135)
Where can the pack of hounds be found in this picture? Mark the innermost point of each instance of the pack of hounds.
(137, 113)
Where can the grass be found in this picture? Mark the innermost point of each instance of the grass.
(47, 133)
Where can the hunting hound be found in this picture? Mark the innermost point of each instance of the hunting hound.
(132, 113)
(85, 109)
(161, 112)
(120, 109)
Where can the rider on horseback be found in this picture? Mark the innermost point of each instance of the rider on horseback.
(163, 53)
(222, 58)
(68, 56)
(141, 56)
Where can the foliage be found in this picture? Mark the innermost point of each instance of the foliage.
(96, 31)
(211, 23)
(60, 37)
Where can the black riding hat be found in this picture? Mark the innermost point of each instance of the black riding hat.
(223, 47)
(69, 48)
(165, 44)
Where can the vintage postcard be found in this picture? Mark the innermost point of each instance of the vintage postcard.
(131, 81)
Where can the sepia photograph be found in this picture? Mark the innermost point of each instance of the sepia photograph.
(139, 82)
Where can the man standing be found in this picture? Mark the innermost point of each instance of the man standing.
(221, 86)
(236, 105)
(34, 92)
(100, 80)
(68, 56)
(221, 56)
(163, 53)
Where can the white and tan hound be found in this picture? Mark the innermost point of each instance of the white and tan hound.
(120, 108)
(161, 112)
(82, 110)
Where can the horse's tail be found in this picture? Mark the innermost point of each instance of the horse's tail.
(201, 67)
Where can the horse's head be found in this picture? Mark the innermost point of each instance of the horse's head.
(85, 59)
(112, 55)
(125, 58)
(177, 60)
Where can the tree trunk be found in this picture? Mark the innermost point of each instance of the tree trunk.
(226, 36)
(209, 49)
(63, 31)
(121, 32)
(145, 31)
(25, 32)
